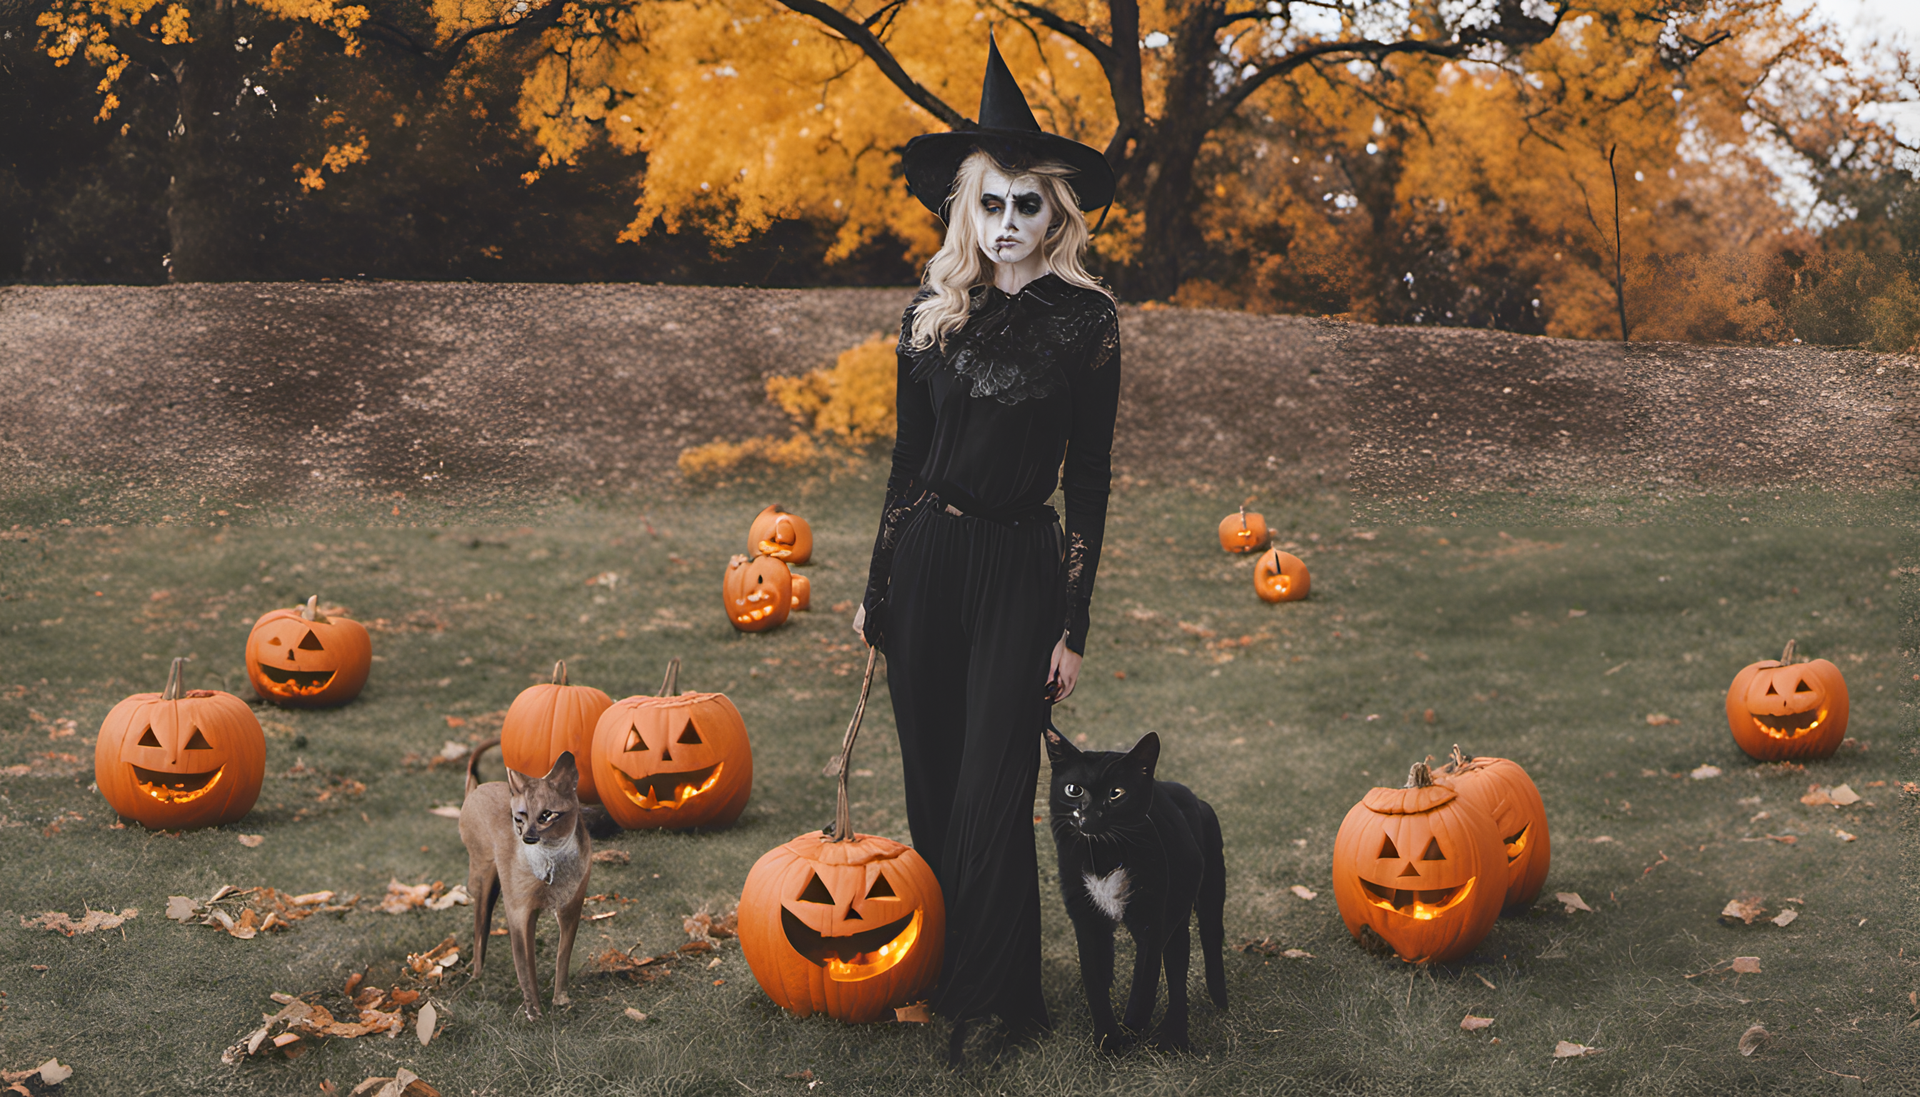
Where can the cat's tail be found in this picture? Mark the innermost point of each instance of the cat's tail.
(1212, 903)
(473, 762)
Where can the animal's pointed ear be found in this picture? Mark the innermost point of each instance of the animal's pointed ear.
(1058, 749)
(1145, 754)
(565, 774)
(517, 782)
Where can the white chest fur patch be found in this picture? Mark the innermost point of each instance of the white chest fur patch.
(1108, 892)
(540, 860)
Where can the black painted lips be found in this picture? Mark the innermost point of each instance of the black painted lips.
(844, 949)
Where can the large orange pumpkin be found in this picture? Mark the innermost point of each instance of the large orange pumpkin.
(304, 658)
(850, 925)
(1782, 710)
(549, 720)
(1504, 791)
(675, 761)
(1281, 577)
(1243, 532)
(180, 759)
(1421, 867)
(781, 534)
(758, 593)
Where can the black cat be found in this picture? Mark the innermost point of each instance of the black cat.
(1142, 853)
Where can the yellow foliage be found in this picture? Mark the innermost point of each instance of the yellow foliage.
(838, 411)
(719, 459)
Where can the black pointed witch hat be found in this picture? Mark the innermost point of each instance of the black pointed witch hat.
(1008, 132)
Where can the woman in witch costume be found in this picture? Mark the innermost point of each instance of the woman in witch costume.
(1009, 361)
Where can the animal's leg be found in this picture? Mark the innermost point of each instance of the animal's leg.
(1211, 905)
(1148, 943)
(483, 884)
(1096, 975)
(1173, 1027)
(569, 916)
(520, 926)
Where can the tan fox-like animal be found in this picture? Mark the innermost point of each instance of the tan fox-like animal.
(526, 844)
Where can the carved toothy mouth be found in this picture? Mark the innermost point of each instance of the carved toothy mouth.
(1517, 844)
(1789, 727)
(1281, 584)
(175, 788)
(776, 549)
(669, 790)
(301, 681)
(1419, 905)
(855, 956)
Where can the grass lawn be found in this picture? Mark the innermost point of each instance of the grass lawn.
(1549, 646)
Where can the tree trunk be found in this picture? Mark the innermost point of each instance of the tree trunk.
(206, 210)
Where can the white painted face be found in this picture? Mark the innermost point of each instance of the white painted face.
(1012, 217)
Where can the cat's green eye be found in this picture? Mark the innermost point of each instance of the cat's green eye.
(1072, 790)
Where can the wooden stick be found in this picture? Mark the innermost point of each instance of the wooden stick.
(838, 767)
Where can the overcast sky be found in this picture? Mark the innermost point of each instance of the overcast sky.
(1865, 20)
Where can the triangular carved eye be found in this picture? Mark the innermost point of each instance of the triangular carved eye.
(1433, 851)
(634, 742)
(311, 643)
(198, 742)
(690, 735)
(275, 641)
(1803, 687)
(149, 739)
(816, 892)
(1387, 849)
(881, 889)
(1770, 690)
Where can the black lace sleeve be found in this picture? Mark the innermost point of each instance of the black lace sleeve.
(1088, 476)
(913, 405)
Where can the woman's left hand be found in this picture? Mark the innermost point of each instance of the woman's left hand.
(1064, 673)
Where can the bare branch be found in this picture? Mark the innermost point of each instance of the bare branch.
(853, 32)
(1079, 34)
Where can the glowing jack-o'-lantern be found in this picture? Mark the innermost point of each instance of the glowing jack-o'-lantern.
(675, 761)
(1783, 710)
(758, 593)
(549, 720)
(1280, 577)
(846, 924)
(1243, 532)
(180, 759)
(781, 534)
(1504, 791)
(802, 594)
(1420, 866)
(305, 658)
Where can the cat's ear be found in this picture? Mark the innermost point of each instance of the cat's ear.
(1145, 754)
(565, 774)
(1058, 749)
(517, 782)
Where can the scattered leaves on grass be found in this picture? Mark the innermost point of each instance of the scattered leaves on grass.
(1474, 1024)
(50, 1073)
(1843, 836)
(915, 1014)
(1746, 965)
(403, 1084)
(701, 926)
(1839, 796)
(1754, 1039)
(1784, 918)
(1701, 773)
(1567, 1049)
(611, 857)
(300, 1021)
(1746, 908)
(402, 898)
(1660, 719)
(1304, 892)
(436, 961)
(252, 841)
(247, 912)
(1572, 901)
(59, 922)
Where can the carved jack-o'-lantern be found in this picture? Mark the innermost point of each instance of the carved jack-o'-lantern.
(1780, 710)
(1504, 791)
(549, 720)
(1421, 867)
(1280, 577)
(841, 923)
(178, 760)
(781, 534)
(304, 658)
(675, 761)
(1243, 532)
(758, 593)
(802, 594)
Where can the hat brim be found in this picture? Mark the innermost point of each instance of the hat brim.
(931, 160)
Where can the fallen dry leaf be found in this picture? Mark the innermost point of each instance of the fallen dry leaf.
(424, 1024)
(1701, 773)
(445, 811)
(1746, 908)
(252, 841)
(1474, 1024)
(1843, 836)
(1785, 918)
(1754, 1039)
(634, 1014)
(58, 922)
(611, 857)
(1842, 795)
(1567, 1049)
(1660, 719)
(1572, 901)
(801, 1076)
(356, 1091)
(915, 1014)
(1304, 892)
(402, 898)
(180, 908)
(1485, 980)
(1297, 954)
(1746, 965)
(457, 897)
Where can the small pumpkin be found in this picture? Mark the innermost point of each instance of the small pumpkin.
(1281, 577)
(781, 534)
(307, 659)
(758, 592)
(674, 761)
(802, 594)
(1243, 532)
(180, 759)
(1504, 791)
(1421, 867)
(850, 925)
(1780, 710)
(549, 720)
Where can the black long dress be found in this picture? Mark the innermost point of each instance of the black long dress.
(968, 606)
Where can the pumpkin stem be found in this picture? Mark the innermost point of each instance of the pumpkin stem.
(1460, 760)
(1243, 517)
(176, 681)
(843, 812)
(560, 673)
(670, 685)
(1787, 655)
(311, 611)
(1419, 776)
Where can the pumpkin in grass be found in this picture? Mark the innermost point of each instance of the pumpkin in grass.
(847, 924)
(674, 761)
(1504, 791)
(758, 592)
(180, 759)
(306, 658)
(1243, 532)
(1281, 577)
(549, 720)
(781, 534)
(1780, 710)
(1421, 867)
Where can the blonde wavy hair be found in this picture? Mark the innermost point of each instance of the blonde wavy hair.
(960, 266)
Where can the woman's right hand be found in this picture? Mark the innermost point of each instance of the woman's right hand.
(860, 622)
